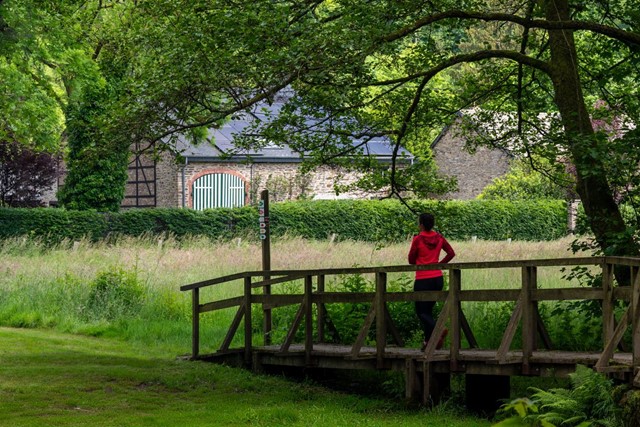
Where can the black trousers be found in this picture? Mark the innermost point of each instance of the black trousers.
(424, 309)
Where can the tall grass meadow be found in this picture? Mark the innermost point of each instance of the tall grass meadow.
(128, 288)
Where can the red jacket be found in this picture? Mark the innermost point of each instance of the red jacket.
(425, 249)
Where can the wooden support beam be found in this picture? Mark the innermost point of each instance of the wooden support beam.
(321, 310)
(510, 331)
(235, 324)
(455, 285)
(293, 329)
(529, 283)
(466, 328)
(368, 321)
(248, 330)
(438, 329)
(635, 311)
(608, 314)
(411, 384)
(380, 309)
(611, 345)
(195, 322)
(308, 324)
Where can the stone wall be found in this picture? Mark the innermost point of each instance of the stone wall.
(474, 171)
(282, 179)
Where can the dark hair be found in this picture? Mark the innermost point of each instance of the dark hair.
(427, 221)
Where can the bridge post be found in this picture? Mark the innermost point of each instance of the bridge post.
(608, 319)
(321, 310)
(381, 330)
(635, 304)
(195, 322)
(308, 319)
(247, 321)
(455, 286)
(529, 330)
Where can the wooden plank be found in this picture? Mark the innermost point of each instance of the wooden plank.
(248, 331)
(338, 297)
(611, 345)
(635, 323)
(195, 322)
(438, 329)
(622, 293)
(380, 308)
(608, 306)
(410, 379)
(308, 317)
(567, 294)
(416, 296)
(368, 321)
(618, 260)
(219, 305)
(277, 280)
(321, 310)
(556, 262)
(455, 285)
(293, 329)
(235, 324)
(466, 328)
(215, 281)
(528, 317)
(486, 295)
(510, 330)
(275, 301)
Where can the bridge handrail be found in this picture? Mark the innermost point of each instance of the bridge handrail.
(526, 310)
(552, 262)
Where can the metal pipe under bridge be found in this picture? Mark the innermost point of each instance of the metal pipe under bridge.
(427, 373)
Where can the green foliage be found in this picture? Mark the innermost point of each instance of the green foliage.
(361, 220)
(114, 292)
(588, 403)
(523, 183)
(97, 163)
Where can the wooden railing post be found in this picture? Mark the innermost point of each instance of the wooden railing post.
(529, 321)
(381, 329)
(635, 310)
(608, 319)
(247, 321)
(455, 286)
(308, 319)
(321, 318)
(195, 322)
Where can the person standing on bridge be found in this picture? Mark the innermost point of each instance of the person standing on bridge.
(425, 249)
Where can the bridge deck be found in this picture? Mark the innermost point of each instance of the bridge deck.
(478, 361)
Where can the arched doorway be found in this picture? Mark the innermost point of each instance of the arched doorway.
(218, 190)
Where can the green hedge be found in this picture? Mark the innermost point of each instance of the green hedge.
(367, 220)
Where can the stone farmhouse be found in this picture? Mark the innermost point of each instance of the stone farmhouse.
(473, 170)
(216, 174)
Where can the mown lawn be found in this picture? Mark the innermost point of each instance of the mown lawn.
(49, 378)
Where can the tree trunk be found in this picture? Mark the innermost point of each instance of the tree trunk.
(592, 184)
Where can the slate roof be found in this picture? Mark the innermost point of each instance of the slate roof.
(221, 147)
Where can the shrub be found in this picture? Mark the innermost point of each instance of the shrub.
(114, 293)
(360, 220)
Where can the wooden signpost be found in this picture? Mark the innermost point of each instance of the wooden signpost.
(265, 237)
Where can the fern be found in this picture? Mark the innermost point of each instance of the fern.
(588, 403)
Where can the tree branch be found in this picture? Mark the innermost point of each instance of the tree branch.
(616, 33)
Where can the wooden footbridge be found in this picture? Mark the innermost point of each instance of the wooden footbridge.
(427, 372)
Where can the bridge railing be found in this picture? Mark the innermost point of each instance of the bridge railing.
(525, 311)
